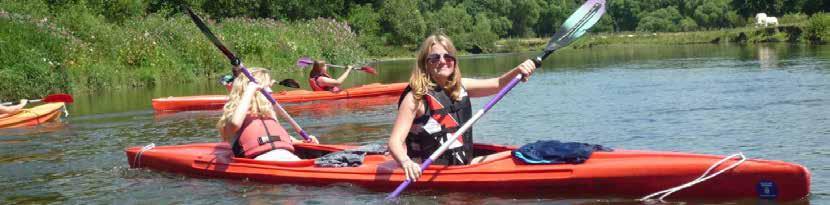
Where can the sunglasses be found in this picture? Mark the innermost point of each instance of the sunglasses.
(435, 58)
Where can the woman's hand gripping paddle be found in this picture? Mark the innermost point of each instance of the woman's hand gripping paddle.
(305, 62)
(235, 61)
(586, 16)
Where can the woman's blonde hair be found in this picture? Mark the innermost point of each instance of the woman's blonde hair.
(260, 106)
(421, 80)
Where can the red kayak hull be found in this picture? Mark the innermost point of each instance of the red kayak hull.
(214, 102)
(624, 173)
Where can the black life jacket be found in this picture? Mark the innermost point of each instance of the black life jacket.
(442, 117)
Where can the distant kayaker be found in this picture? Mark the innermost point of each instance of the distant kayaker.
(320, 80)
(227, 80)
(13, 109)
(250, 124)
(436, 104)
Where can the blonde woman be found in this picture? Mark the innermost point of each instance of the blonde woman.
(437, 103)
(250, 124)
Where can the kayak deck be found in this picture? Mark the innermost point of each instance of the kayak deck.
(213, 102)
(33, 116)
(624, 173)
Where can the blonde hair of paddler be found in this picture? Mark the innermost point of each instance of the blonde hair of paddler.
(259, 107)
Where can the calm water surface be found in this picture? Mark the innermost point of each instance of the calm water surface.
(769, 101)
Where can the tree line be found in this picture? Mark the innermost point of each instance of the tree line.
(475, 23)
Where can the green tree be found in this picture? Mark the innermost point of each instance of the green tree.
(818, 28)
(688, 24)
(402, 21)
(665, 19)
(524, 15)
(625, 14)
(451, 20)
(714, 14)
(364, 20)
(482, 37)
(551, 16)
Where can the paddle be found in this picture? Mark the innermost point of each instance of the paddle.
(576, 25)
(60, 97)
(235, 61)
(305, 62)
(291, 83)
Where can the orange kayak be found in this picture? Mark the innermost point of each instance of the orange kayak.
(33, 116)
(625, 173)
(213, 102)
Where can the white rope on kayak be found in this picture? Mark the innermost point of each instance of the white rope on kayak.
(65, 112)
(143, 149)
(704, 177)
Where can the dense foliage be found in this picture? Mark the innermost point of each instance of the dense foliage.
(54, 45)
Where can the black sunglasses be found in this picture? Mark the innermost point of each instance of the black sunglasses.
(435, 58)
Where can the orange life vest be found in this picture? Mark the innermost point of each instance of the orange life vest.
(259, 135)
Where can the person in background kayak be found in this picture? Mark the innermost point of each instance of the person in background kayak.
(320, 80)
(227, 80)
(13, 109)
(250, 124)
(436, 104)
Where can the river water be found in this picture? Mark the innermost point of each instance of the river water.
(767, 101)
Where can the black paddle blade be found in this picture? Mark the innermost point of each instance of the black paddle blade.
(205, 30)
(291, 83)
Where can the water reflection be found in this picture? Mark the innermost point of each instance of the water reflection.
(767, 57)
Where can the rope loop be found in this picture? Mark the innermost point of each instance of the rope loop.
(665, 193)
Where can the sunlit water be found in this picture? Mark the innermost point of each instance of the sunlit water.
(769, 102)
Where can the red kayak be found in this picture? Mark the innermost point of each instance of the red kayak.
(213, 102)
(625, 173)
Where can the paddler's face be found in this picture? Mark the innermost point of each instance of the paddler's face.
(440, 62)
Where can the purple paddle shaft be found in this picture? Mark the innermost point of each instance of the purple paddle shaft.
(502, 92)
(268, 96)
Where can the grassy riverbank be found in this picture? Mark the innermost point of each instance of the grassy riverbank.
(86, 47)
(67, 49)
(813, 31)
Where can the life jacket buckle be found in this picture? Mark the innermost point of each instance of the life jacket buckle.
(267, 139)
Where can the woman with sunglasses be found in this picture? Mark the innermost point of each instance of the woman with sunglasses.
(436, 104)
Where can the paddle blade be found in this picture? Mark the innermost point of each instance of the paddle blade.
(369, 70)
(61, 97)
(304, 62)
(291, 83)
(577, 24)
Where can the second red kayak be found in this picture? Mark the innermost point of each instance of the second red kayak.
(213, 102)
(625, 173)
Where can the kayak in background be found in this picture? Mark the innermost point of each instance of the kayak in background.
(33, 116)
(626, 173)
(214, 102)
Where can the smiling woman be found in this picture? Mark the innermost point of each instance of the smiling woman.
(436, 104)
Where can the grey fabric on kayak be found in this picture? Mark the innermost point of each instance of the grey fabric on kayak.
(350, 157)
(555, 152)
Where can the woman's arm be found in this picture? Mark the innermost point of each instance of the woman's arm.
(238, 117)
(487, 87)
(326, 81)
(14, 108)
(406, 115)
